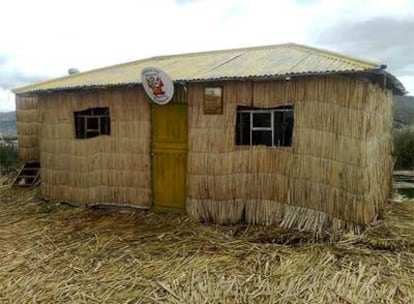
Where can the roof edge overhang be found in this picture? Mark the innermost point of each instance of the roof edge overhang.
(390, 81)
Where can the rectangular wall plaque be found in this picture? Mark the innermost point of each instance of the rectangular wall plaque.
(213, 100)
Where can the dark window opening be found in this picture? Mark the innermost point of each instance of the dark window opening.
(92, 122)
(262, 120)
(271, 127)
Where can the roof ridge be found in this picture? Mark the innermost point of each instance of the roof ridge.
(23, 88)
(352, 63)
(322, 51)
(224, 50)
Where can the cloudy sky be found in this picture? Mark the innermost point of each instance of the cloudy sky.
(42, 39)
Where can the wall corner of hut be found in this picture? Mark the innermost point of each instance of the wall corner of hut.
(28, 125)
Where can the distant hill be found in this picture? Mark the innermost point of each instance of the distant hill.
(8, 123)
(403, 111)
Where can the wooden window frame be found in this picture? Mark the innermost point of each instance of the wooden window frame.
(272, 127)
(85, 116)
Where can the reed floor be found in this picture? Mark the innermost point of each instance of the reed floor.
(54, 253)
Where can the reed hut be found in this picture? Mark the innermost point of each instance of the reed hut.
(285, 135)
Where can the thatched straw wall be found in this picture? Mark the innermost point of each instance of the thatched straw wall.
(379, 147)
(27, 121)
(105, 169)
(333, 175)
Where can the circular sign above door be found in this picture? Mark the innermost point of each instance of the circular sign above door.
(158, 85)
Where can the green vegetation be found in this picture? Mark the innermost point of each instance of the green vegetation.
(404, 148)
(8, 157)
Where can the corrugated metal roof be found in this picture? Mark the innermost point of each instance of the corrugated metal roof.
(267, 61)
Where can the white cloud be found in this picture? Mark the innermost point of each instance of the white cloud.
(47, 37)
(408, 82)
(6, 100)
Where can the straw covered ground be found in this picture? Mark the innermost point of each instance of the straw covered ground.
(54, 253)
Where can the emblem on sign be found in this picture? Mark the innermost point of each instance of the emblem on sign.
(157, 85)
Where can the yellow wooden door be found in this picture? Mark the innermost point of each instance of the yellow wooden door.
(169, 155)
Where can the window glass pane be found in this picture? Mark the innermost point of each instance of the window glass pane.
(288, 121)
(262, 138)
(92, 123)
(105, 125)
(79, 126)
(243, 129)
(278, 129)
(262, 120)
(283, 128)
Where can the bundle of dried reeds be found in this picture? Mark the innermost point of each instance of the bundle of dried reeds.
(59, 254)
(28, 122)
